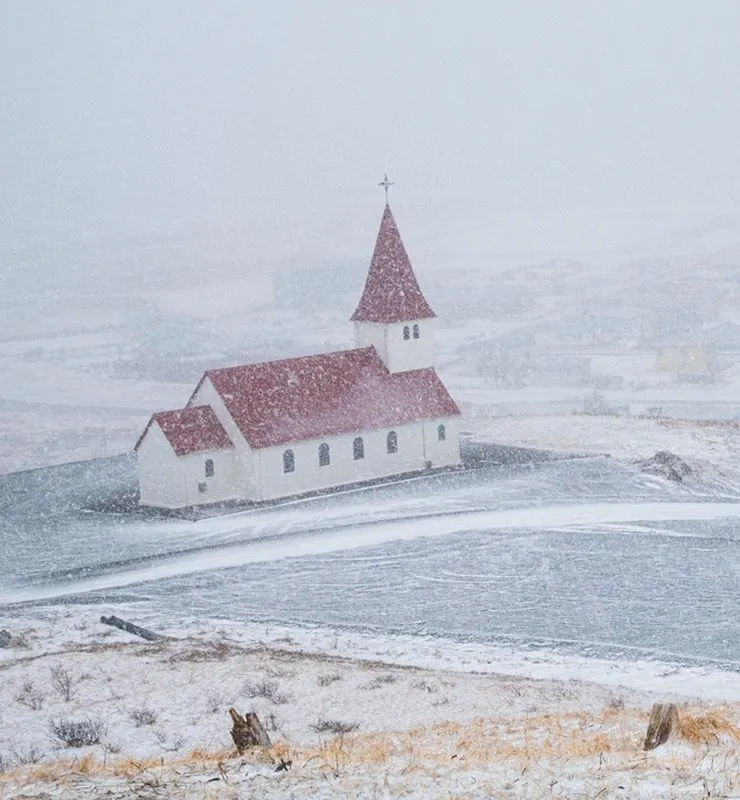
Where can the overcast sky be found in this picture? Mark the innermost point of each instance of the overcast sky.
(121, 116)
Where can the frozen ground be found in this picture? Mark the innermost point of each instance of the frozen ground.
(576, 555)
(426, 718)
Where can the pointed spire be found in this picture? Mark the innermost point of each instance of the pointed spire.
(391, 292)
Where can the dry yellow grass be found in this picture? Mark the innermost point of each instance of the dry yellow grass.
(706, 729)
(484, 741)
(562, 738)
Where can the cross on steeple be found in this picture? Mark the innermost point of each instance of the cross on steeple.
(385, 183)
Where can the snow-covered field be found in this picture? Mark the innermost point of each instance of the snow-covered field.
(355, 715)
(498, 632)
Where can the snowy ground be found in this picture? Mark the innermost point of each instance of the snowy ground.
(433, 718)
(508, 605)
(555, 552)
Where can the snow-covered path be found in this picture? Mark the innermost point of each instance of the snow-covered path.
(344, 537)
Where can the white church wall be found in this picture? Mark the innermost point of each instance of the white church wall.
(170, 481)
(343, 468)
(160, 482)
(198, 488)
(371, 334)
(244, 476)
(397, 353)
(444, 452)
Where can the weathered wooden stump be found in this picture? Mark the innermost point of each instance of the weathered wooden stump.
(663, 721)
(248, 731)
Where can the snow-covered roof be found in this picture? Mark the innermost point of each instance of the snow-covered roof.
(391, 292)
(190, 430)
(297, 399)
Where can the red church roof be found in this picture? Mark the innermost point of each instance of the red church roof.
(295, 399)
(391, 292)
(190, 430)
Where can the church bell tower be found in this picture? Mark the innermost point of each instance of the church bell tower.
(393, 315)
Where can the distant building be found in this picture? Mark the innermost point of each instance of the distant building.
(283, 428)
(691, 364)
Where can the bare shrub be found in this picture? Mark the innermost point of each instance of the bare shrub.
(143, 716)
(381, 680)
(216, 701)
(280, 672)
(271, 722)
(270, 690)
(562, 693)
(77, 732)
(443, 701)
(19, 639)
(426, 686)
(61, 682)
(171, 745)
(615, 703)
(327, 678)
(30, 696)
(5, 764)
(335, 726)
(28, 755)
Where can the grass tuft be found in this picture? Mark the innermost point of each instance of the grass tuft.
(706, 729)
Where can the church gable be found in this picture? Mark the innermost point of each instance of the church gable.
(190, 430)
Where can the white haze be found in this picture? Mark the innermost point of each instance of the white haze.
(274, 121)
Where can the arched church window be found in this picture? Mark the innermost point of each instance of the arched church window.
(391, 442)
(324, 455)
(406, 332)
(441, 433)
(288, 461)
(358, 448)
(209, 468)
(416, 331)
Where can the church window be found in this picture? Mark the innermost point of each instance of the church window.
(406, 332)
(416, 331)
(441, 433)
(324, 455)
(358, 448)
(391, 442)
(288, 461)
(209, 468)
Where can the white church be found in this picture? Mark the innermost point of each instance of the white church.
(284, 428)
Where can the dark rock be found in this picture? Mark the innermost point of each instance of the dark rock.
(5, 638)
(666, 465)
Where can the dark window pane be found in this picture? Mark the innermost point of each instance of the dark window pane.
(324, 455)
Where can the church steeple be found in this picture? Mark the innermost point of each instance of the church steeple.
(393, 314)
(391, 292)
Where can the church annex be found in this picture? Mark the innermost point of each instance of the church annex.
(281, 428)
